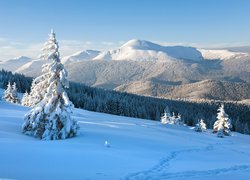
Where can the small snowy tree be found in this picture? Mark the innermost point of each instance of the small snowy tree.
(10, 94)
(14, 94)
(178, 120)
(25, 99)
(166, 117)
(51, 118)
(223, 124)
(172, 119)
(200, 126)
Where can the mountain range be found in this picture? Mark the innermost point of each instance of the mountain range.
(147, 68)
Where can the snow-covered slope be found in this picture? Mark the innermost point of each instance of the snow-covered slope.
(32, 68)
(139, 149)
(15, 63)
(221, 54)
(141, 50)
(81, 56)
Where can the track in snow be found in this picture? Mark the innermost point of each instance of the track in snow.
(159, 171)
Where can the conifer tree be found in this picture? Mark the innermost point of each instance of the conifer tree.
(14, 94)
(10, 94)
(178, 120)
(223, 124)
(51, 118)
(25, 99)
(166, 117)
(200, 126)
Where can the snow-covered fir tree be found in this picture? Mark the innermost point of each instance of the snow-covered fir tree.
(10, 94)
(166, 117)
(178, 120)
(14, 94)
(200, 126)
(25, 99)
(223, 124)
(51, 118)
(172, 118)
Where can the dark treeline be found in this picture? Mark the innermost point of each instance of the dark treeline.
(23, 83)
(131, 105)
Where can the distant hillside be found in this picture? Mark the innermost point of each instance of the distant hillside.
(15, 63)
(207, 89)
(157, 66)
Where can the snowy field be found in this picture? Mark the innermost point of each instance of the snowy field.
(139, 149)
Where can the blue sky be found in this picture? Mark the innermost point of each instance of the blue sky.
(104, 24)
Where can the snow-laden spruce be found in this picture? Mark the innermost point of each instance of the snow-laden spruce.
(200, 126)
(166, 117)
(25, 99)
(10, 94)
(51, 118)
(223, 124)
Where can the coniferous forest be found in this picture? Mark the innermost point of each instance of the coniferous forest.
(125, 104)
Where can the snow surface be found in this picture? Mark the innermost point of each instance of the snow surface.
(138, 149)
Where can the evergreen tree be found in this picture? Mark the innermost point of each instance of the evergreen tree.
(8, 93)
(172, 118)
(200, 126)
(166, 117)
(51, 118)
(25, 99)
(14, 94)
(223, 124)
(178, 120)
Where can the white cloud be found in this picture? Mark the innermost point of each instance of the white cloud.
(10, 49)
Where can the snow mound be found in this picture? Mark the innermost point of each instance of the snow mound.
(141, 50)
(81, 56)
(221, 54)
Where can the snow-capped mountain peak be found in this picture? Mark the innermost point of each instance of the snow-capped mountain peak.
(81, 56)
(141, 50)
(141, 44)
(21, 58)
